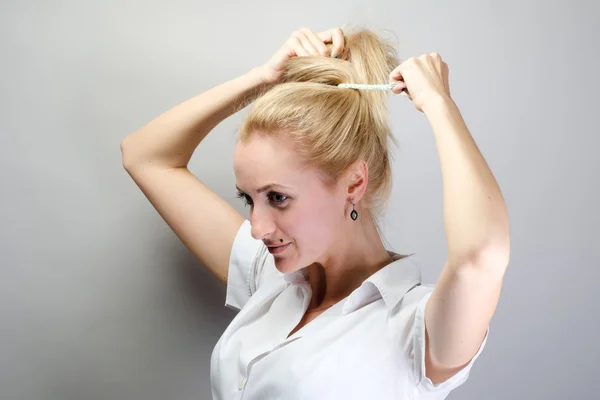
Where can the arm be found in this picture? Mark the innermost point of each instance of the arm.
(156, 155)
(170, 139)
(156, 158)
(477, 229)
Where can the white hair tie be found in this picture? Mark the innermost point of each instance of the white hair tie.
(362, 86)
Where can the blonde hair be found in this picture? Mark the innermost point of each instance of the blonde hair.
(330, 127)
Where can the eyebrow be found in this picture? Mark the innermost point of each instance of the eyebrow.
(266, 187)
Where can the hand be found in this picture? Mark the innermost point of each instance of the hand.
(303, 42)
(425, 79)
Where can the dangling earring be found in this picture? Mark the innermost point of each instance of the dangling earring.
(353, 214)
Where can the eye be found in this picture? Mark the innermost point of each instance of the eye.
(244, 197)
(275, 198)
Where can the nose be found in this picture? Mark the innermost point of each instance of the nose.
(262, 224)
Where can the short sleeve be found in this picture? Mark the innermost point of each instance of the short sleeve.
(424, 384)
(250, 263)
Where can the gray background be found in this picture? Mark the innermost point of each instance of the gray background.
(100, 300)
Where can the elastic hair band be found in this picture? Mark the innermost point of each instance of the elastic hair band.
(362, 86)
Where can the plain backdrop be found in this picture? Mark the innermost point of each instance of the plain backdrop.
(99, 299)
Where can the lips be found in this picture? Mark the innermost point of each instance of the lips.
(278, 249)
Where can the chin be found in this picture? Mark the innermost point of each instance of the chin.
(285, 263)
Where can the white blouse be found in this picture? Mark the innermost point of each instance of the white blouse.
(370, 345)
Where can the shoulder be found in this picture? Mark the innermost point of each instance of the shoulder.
(412, 301)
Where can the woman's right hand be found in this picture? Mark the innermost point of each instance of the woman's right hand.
(303, 42)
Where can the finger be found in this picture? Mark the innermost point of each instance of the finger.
(297, 47)
(303, 42)
(316, 41)
(399, 88)
(306, 43)
(397, 74)
(336, 38)
(327, 38)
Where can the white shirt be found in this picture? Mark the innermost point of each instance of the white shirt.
(370, 345)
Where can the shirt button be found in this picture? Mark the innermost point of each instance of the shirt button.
(241, 384)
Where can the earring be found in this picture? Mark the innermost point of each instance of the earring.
(353, 214)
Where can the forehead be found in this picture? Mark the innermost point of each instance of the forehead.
(261, 160)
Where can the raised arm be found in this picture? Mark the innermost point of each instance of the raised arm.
(461, 306)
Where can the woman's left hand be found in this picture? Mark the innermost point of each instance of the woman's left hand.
(425, 79)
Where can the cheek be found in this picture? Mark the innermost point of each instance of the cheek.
(312, 227)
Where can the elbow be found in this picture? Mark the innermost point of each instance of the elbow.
(126, 155)
(124, 158)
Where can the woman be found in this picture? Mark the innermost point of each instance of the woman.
(326, 312)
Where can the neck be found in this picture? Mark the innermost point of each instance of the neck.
(347, 265)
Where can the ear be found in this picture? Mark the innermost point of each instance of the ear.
(357, 180)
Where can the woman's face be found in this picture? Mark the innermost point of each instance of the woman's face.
(296, 208)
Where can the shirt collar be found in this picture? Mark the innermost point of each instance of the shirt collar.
(391, 283)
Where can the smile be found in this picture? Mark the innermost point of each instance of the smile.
(279, 249)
